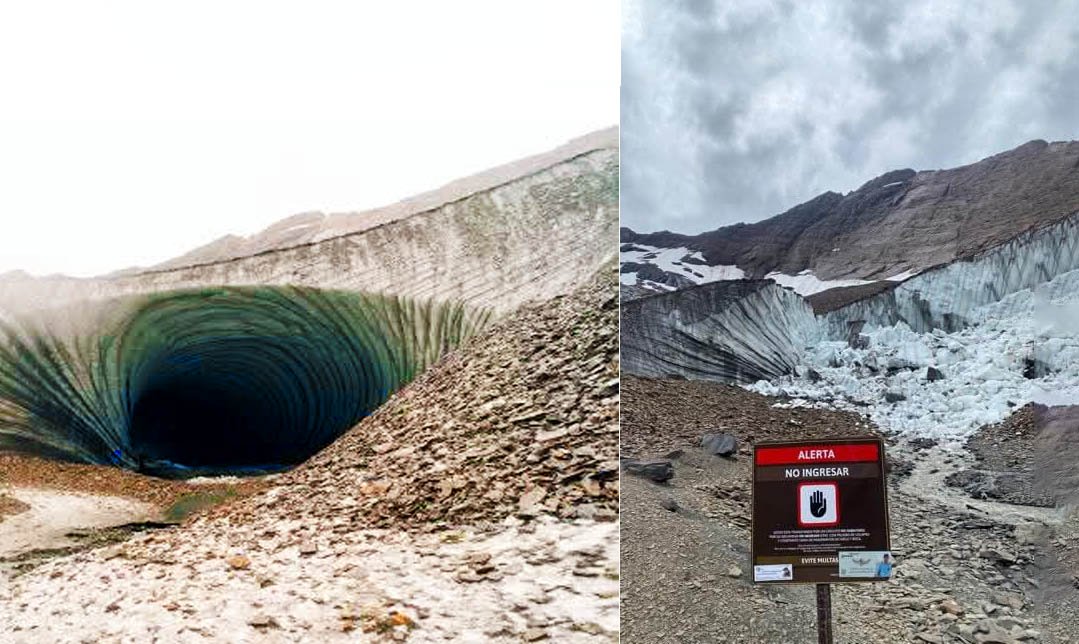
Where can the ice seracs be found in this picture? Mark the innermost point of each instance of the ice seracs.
(942, 352)
(985, 367)
(946, 296)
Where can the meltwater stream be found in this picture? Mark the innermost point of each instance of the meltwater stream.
(231, 380)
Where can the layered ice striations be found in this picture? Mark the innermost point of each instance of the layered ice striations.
(228, 379)
(947, 296)
(739, 330)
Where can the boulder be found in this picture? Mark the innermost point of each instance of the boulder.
(719, 444)
(658, 470)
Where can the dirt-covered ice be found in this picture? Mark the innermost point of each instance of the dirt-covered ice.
(52, 515)
(546, 580)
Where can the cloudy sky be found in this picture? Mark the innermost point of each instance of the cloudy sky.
(131, 132)
(736, 111)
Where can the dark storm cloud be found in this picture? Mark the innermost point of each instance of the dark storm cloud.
(736, 111)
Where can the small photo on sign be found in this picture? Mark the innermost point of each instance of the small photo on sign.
(773, 572)
(864, 563)
(818, 505)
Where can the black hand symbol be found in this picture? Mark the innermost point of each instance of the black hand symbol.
(817, 504)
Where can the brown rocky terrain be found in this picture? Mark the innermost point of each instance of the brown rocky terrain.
(649, 426)
(901, 220)
(1027, 459)
(52, 508)
(968, 570)
(522, 420)
(20, 470)
(10, 506)
(836, 298)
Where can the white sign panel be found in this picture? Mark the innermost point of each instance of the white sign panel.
(818, 504)
(773, 572)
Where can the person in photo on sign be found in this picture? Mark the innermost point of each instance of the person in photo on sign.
(884, 568)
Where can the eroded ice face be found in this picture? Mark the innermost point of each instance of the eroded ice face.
(1023, 348)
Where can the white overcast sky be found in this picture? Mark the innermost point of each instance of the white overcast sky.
(131, 132)
(735, 111)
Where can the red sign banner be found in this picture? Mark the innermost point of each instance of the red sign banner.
(817, 454)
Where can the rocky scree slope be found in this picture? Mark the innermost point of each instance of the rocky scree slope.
(967, 570)
(521, 420)
(899, 222)
(1027, 459)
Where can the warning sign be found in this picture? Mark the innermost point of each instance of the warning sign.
(812, 502)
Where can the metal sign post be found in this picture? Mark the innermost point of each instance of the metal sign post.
(824, 614)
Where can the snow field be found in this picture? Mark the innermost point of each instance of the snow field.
(671, 259)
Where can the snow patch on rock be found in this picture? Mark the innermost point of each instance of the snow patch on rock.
(682, 261)
(806, 283)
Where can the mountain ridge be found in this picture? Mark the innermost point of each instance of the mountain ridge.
(901, 221)
(490, 227)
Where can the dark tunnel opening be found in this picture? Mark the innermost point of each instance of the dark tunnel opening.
(202, 427)
(248, 404)
(224, 380)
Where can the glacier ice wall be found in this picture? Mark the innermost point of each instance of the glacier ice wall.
(947, 296)
(224, 378)
(526, 238)
(740, 330)
(981, 373)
